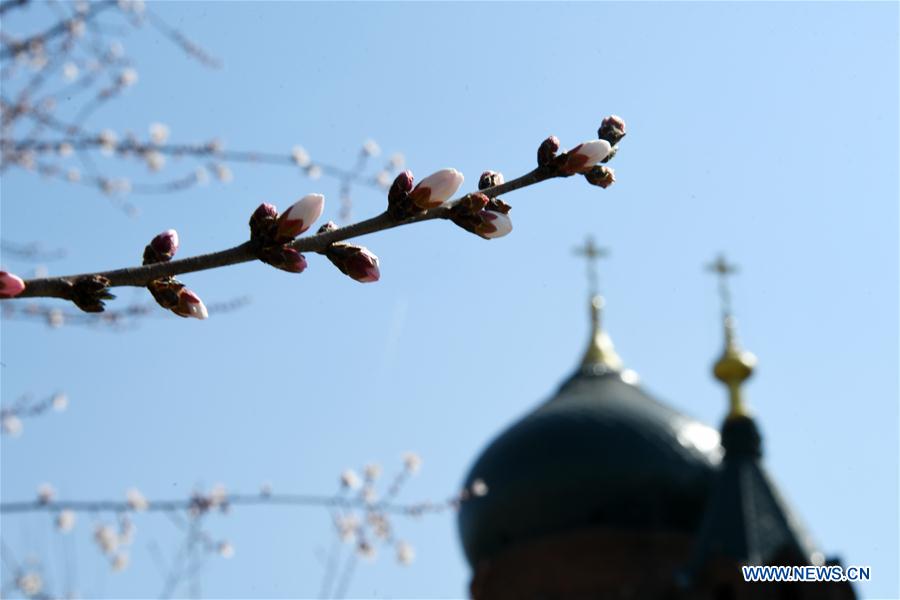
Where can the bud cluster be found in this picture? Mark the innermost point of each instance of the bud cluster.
(88, 293)
(405, 201)
(271, 232)
(588, 157)
(483, 216)
(168, 292)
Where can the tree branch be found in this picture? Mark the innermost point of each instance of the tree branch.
(61, 287)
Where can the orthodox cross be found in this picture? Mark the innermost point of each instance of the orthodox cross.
(723, 269)
(592, 253)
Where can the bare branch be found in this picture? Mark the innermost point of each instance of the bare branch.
(61, 287)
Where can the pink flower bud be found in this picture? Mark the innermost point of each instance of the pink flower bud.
(264, 211)
(10, 285)
(263, 223)
(300, 217)
(494, 224)
(612, 129)
(437, 188)
(601, 176)
(355, 262)
(489, 179)
(547, 150)
(165, 244)
(403, 184)
(190, 305)
(584, 156)
(284, 258)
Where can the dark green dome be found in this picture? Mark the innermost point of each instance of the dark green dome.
(600, 453)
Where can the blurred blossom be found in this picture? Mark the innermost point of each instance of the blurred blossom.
(26, 160)
(405, 553)
(76, 27)
(65, 521)
(371, 148)
(106, 538)
(215, 145)
(107, 139)
(300, 156)
(122, 185)
(73, 175)
(136, 500)
(46, 493)
(372, 471)
(225, 549)
(159, 133)
(369, 495)
(366, 550)
(350, 480)
(223, 173)
(347, 526)
(397, 160)
(38, 62)
(479, 488)
(218, 495)
(201, 175)
(412, 462)
(56, 318)
(60, 402)
(155, 160)
(313, 171)
(383, 178)
(381, 527)
(65, 149)
(116, 49)
(70, 71)
(11, 425)
(127, 530)
(30, 583)
(119, 561)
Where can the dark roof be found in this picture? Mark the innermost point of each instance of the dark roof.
(747, 520)
(601, 452)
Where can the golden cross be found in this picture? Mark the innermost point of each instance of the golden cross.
(722, 268)
(591, 253)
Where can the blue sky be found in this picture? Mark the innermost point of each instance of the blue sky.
(765, 130)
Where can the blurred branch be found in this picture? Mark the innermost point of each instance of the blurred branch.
(77, 47)
(201, 505)
(33, 251)
(26, 407)
(127, 317)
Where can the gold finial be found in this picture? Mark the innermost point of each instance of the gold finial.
(735, 365)
(600, 351)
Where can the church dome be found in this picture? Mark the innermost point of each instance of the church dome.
(601, 453)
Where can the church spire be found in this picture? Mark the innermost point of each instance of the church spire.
(600, 353)
(735, 365)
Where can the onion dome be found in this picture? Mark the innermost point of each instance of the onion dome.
(601, 453)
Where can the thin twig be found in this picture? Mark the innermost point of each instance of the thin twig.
(60, 287)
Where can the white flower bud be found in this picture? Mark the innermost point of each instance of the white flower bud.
(437, 188)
